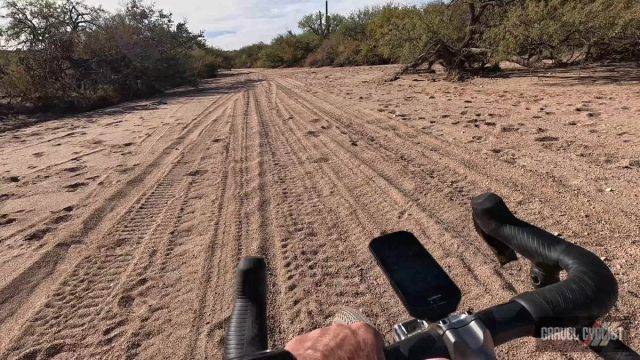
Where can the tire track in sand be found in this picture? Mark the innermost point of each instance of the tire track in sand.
(342, 227)
(225, 243)
(274, 171)
(22, 295)
(454, 157)
(377, 156)
(99, 284)
(396, 183)
(378, 208)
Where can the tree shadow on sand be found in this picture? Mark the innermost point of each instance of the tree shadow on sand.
(598, 74)
(207, 88)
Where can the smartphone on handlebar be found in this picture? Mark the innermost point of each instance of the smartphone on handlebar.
(425, 289)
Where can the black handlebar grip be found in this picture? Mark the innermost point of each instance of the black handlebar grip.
(590, 289)
(247, 332)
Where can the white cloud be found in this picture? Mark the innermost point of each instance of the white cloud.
(231, 24)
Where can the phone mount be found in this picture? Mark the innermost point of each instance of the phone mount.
(425, 289)
(430, 296)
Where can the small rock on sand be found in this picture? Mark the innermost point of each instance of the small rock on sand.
(508, 128)
(546, 138)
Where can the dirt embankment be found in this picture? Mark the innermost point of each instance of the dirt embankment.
(120, 229)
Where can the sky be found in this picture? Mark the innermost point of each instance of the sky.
(231, 24)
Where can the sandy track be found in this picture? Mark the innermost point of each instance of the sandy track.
(126, 225)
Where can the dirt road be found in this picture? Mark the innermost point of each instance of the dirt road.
(120, 229)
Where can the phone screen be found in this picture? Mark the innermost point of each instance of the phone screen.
(424, 288)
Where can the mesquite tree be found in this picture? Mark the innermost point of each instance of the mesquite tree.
(457, 29)
(320, 25)
(470, 37)
(563, 32)
(64, 54)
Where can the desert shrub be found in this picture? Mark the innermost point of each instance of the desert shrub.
(455, 35)
(206, 63)
(351, 52)
(320, 25)
(467, 37)
(325, 55)
(288, 50)
(68, 55)
(398, 33)
(566, 31)
(371, 36)
(45, 35)
(150, 51)
(355, 26)
(340, 50)
(223, 58)
(614, 30)
(315, 46)
(351, 43)
(248, 56)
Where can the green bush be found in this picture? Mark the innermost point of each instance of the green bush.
(461, 35)
(319, 25)
(566, 31)
(325, 55)
(248, 56)
(350, 44)
(288, 50)
(398, 33)
(340, 50)
(355, 26)
(68, 55)
(206, 63)
(221, 58)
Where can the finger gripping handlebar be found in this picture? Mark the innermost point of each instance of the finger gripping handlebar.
(588, 292)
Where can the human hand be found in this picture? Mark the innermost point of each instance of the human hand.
(357, 341)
